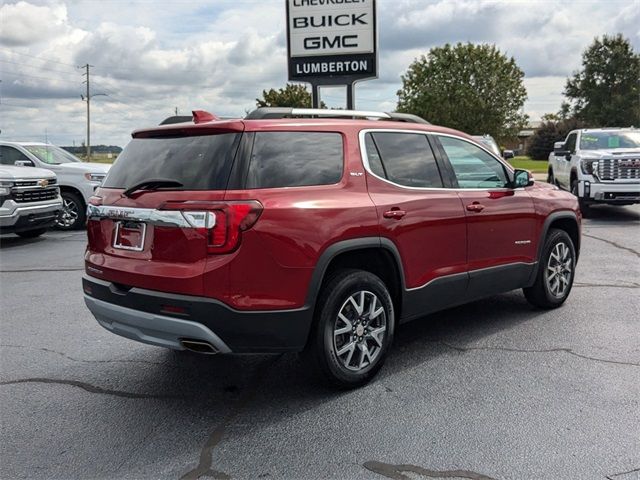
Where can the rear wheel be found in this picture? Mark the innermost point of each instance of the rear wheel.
(556, 271)
(72, 216)
(353, 328)
(31, 233)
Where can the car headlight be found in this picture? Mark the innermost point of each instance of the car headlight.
(95, 177)
(5, 188)
(589, 165)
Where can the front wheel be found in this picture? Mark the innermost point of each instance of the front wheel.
(585, 208)
(353, 328)
(72, 216)
(550, 178)
(556, 271)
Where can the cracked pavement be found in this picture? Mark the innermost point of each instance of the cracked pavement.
(494, 389)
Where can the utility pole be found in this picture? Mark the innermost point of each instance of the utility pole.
(176, 111)
(88, 100)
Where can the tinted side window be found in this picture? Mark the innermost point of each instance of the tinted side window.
(9, 155)
(407, 159)
(373, 156)
(295, 159)
(570, 144)
(473, 167)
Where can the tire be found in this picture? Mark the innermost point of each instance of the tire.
(73, 215)
(31, 233)
(550, 178)
(351, 295)
(557, 264)
(585, 208)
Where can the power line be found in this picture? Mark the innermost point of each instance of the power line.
(13, 74)
(22, 64)
(39, 58)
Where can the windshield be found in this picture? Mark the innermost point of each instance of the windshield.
(608, 140)
(198, 163)
(51, 154)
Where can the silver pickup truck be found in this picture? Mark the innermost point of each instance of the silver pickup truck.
(30, 200)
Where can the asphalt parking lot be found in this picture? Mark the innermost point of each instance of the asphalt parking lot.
(495, 389)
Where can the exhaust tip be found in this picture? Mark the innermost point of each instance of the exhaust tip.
(199, 346)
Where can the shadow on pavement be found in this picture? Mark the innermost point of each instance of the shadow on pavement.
(606, 214)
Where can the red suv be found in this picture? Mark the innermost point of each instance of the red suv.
(317, 231)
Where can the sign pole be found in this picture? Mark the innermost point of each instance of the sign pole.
(351, 96)
(315, 95)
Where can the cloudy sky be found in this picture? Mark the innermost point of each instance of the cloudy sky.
(151, 56)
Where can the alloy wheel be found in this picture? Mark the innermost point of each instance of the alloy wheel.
(559, 270)
(69, 214)
(359, 330)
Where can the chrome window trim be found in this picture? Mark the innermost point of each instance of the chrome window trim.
(367, 167)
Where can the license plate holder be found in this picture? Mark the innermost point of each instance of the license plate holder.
(130, 235)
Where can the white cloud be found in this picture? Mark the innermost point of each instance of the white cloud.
(220, 55)
(27, 24)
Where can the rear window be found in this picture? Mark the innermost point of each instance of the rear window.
(199, 163)
(295, 159)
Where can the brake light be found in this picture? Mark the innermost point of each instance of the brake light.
(222, 223)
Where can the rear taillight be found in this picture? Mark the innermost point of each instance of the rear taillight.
(222, 223)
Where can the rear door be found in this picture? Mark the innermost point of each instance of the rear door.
(501, 221)
(152, 237)
(422, 218)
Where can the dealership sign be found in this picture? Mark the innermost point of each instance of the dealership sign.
(332, 42)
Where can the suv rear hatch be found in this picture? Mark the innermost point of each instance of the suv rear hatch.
(165, 233)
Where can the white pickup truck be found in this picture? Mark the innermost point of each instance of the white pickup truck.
(598, 166)
(77, 179)
(30, 200)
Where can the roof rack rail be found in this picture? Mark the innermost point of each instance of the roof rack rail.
(264, 113)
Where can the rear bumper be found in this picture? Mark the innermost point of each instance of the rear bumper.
(142, 315)
(611, 192)
(149, 328)
(28, 217)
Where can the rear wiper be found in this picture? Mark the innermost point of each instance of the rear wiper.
(152, 184)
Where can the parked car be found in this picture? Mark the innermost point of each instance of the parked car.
(77, 179)
(317, 231)
(490, 143)
(599, 165)
(29, 200)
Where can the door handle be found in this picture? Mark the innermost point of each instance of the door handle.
(475, 207)
(394, 213)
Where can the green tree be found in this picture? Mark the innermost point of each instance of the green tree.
(606, 91)
(293, 95)
(474, 88)
(553, 129)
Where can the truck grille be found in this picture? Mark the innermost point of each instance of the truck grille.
(34, 183)
(35, 195)
(619, 169)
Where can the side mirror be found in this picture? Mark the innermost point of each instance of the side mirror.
(508, 154)
(23, 163)
(522, 178)
(559, 150)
